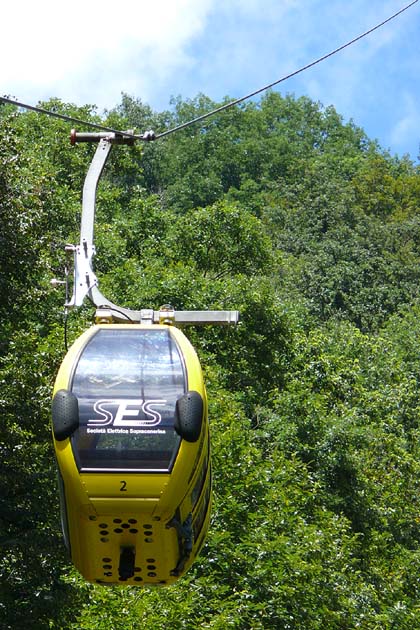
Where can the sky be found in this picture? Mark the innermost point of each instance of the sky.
(92, 51)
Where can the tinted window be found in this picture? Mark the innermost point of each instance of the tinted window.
(127, 383)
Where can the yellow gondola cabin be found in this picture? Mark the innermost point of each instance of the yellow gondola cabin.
(131, 437)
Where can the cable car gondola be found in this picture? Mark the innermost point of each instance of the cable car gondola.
(132, 444)
(130, 428)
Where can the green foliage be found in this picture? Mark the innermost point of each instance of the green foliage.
(280, 210)
(222, 240)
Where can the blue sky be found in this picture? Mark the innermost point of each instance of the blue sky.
(91, 52)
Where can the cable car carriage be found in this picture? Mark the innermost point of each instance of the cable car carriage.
(130, 430)
(131, 437)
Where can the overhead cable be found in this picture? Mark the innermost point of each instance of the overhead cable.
(71, 119)
(288, 76)
(151, 136)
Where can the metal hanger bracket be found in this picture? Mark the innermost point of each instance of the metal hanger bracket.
(85, 282)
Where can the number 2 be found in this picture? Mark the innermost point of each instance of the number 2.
(123, 486)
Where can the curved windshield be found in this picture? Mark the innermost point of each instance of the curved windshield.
(127, 383)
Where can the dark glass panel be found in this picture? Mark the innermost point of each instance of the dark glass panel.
(127, 383)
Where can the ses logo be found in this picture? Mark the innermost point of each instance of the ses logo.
(126, 412)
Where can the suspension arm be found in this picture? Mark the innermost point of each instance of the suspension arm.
(85, 282)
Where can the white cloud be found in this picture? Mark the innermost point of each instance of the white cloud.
(407, 126)
(73, 50)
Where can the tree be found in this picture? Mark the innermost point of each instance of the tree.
(280, 210)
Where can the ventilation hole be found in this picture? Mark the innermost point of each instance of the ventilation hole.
(132, 521)
(121, 579)
(92, 518)
(125, 525)
(108, 573)
(118, 530)
(107, 566)
(133, 531)
(152, 574)
(138, 579)
(148, 533)
(104, 540)
(137, 569)
(151, 560)
(104, 532)
(147, 526)
(156, 518)
(117, 520)
(148, 540)
(151, 567)
(103, 525)
(106, 560)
